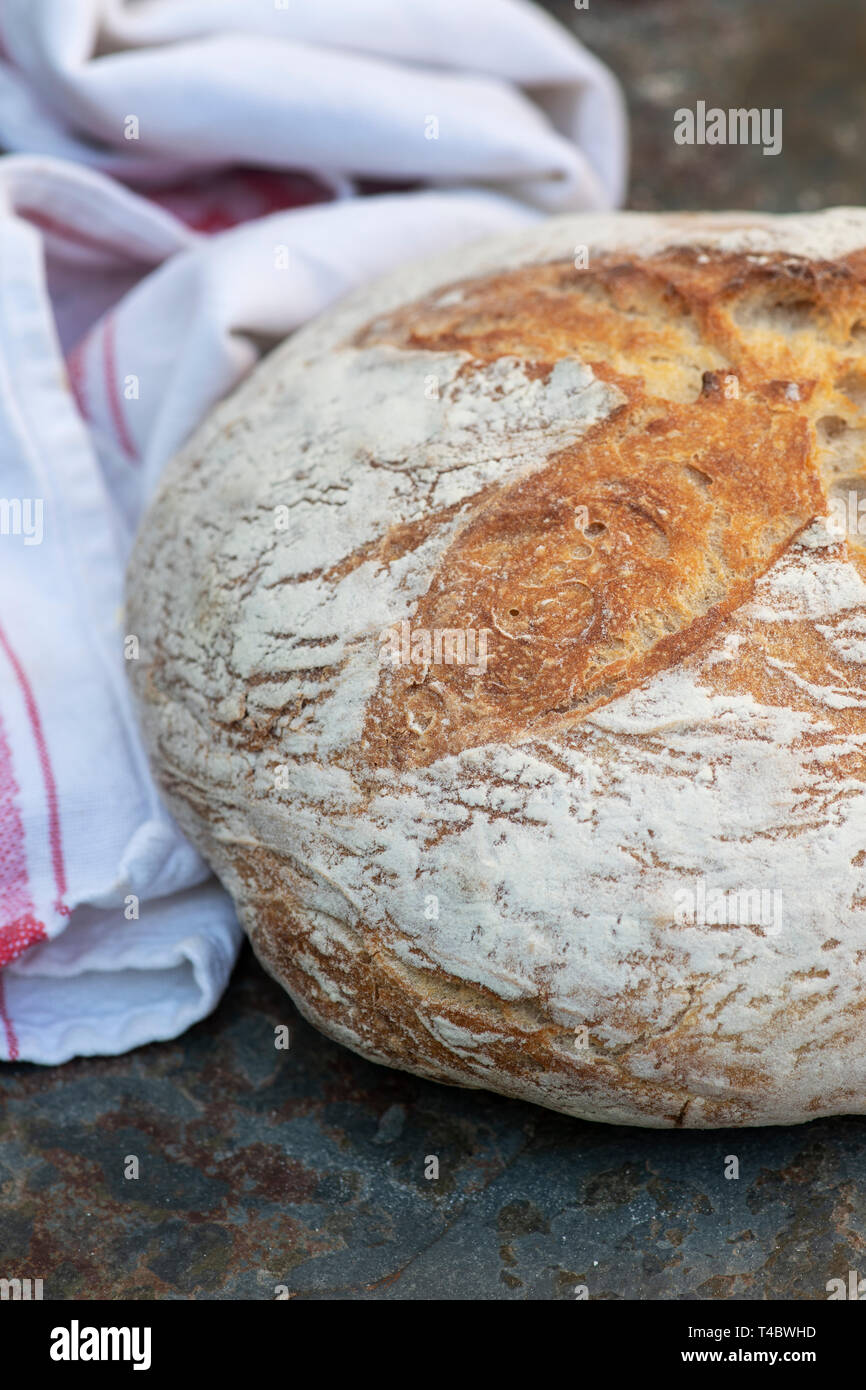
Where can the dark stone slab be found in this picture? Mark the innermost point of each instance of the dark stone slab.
(306, 1169)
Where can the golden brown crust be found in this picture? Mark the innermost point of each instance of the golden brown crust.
(625, 552)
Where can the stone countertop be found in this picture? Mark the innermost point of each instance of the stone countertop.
(265, 1173)
(302, 1173)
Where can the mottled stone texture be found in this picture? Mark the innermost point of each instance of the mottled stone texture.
(807, 58)
(306, 1168)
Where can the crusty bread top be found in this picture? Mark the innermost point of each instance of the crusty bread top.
(690, 702)
(820, 236)
(737, 376)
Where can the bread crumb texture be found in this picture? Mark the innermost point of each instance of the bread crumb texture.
(503, 649)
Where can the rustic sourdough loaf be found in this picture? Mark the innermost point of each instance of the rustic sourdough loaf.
(502, 647)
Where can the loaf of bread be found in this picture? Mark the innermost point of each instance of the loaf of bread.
(503, 649)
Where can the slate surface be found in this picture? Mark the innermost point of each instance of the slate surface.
(303, 1171)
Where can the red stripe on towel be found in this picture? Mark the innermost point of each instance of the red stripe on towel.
(54, 836)
(19, 927)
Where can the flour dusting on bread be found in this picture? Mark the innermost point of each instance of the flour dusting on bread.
(618, 866)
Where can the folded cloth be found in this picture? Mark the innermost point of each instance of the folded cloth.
(120, 325)
(492, 92)
(103, 988)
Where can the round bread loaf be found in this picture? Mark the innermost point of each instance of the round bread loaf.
(502, 648)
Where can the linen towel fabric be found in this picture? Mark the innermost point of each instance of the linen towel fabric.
(140, 279)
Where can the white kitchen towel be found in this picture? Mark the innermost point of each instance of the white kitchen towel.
(120, 325)
(492, 92)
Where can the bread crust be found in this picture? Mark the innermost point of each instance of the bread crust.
(616, 867)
